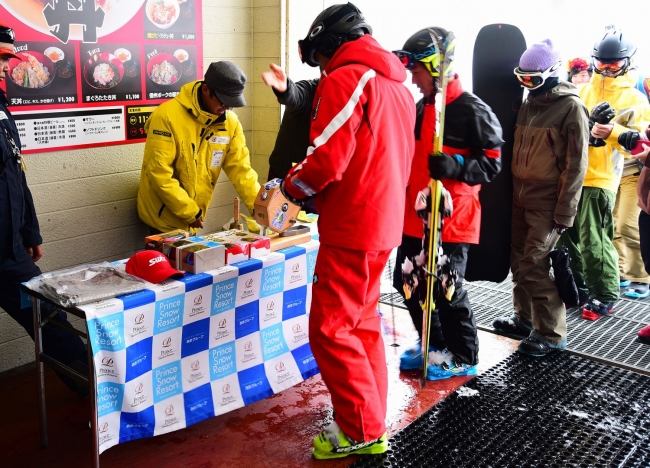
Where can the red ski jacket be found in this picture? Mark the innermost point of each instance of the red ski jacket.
(471, 131)
(362, 145)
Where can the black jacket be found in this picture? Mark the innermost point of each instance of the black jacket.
(18, 223)
(473, 132)
(470, 126)
(293, 137)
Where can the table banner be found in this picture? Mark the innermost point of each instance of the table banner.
(186, 350)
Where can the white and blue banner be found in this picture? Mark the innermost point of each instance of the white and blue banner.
(186, 350)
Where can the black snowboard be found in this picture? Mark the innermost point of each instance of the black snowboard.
(497, 50)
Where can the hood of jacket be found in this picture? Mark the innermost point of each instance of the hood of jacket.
(612, 85)
(188, 97)
(563, 89)
(367, 51)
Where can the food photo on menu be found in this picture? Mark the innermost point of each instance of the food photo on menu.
(44, 76)
(168, 68)
(111, 72)
(170, 19)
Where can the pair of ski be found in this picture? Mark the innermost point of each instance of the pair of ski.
(435, 188)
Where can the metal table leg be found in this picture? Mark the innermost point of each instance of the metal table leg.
(40, 372)
(93, 402)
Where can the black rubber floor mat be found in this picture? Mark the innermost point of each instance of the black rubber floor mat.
(558, 411)
(610, 339)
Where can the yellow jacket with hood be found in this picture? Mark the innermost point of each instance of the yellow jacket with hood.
(605, 166)
(185, 151)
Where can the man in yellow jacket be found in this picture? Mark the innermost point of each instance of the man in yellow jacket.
(189, 140)
(590, 241)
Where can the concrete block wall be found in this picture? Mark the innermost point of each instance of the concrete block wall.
(86, 199)
(268, 46)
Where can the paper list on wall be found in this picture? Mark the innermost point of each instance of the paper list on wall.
(46, 129)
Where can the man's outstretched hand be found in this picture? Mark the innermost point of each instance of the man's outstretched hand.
(276, 78)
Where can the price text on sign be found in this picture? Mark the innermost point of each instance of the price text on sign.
(136, 117)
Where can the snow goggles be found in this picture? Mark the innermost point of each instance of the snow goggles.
(535, 79)
(613, 68)
(429, 58)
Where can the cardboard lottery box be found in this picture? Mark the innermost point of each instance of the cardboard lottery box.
(236, 250)
(157, 241)
(272, 209)
(259, 246)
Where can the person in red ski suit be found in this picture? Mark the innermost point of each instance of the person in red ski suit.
(356, 170)
(471, 156)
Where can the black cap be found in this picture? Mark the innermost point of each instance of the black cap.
(227, 81)
(7, 38)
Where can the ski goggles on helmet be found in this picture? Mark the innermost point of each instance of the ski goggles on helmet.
(534, 79)
(614, 68)
(306, 53)
(429, 58)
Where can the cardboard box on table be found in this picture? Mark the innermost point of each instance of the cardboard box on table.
(170, 248)
(195, 254)
(201, 257)
(236, 250)
(259, 246)
(157, 241)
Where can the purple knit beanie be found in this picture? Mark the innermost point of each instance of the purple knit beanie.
(539, 57)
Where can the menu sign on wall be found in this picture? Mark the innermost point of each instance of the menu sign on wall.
(70, 127)
(87, 64)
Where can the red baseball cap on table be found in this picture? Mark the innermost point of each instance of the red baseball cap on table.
(152, 266)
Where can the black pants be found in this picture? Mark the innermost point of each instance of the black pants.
(452, 323)
(58, 343)
(644, 239)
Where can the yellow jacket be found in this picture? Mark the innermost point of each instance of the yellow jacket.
(185, 151)
(605, 166)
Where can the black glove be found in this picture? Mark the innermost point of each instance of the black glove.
(443, 166)
(602, 113)
(628, 140)
(300, 202)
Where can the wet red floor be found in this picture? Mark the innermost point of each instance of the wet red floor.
(274, 432)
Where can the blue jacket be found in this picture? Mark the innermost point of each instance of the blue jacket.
(18, 222)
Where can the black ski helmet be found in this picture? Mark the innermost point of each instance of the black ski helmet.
(424, 48)
(332, 28)
(614, 46)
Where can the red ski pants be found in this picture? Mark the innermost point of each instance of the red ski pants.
(346, 339)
